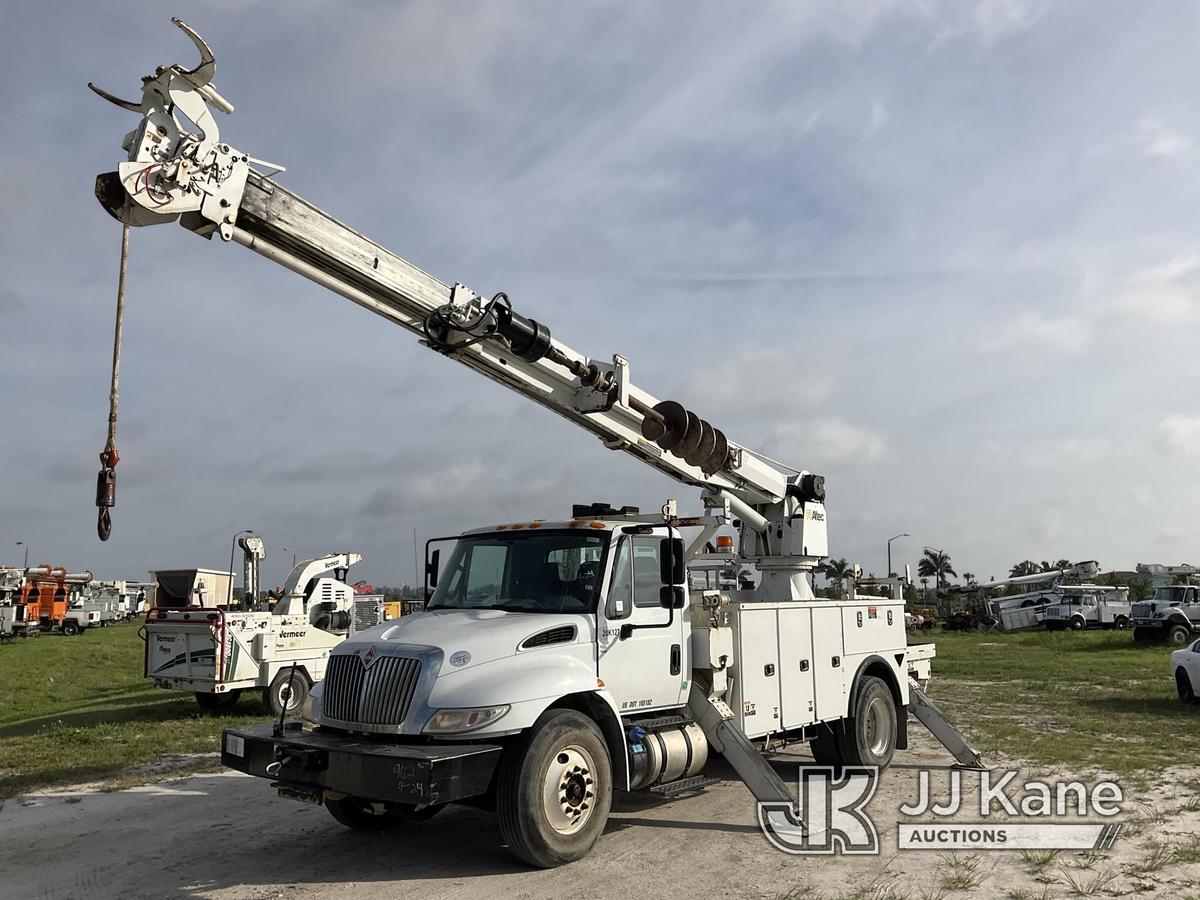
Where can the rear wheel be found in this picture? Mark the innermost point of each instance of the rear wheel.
(216, 703)
(1178, 635)
(294, 688)
(1121, 623)
(1183, 684)
(70, 628)
(870, 737)
(555, 790)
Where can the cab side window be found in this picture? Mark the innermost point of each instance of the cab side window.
(647, 573)
(620, 587)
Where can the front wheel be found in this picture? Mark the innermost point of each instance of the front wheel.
(1077, 624)
(1178, 635)
(555, 790)
(1183, 684)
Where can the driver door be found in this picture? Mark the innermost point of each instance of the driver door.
(650, 668)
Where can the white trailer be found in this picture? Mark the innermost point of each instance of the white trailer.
(557, 661)
(217, 653)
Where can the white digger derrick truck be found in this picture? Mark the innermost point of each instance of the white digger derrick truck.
(219, 653)
(560, 660)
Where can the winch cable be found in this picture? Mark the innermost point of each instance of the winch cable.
(106, 481)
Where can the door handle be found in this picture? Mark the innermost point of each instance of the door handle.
(676, 659)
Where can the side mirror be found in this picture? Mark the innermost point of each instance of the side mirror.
(670, 562)
(670, 597)
(431, 570)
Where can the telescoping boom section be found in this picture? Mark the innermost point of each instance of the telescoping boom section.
(649, 673)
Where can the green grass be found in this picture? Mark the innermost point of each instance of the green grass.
(77, 709)
(1092, 700)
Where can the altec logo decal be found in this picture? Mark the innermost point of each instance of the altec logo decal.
(833, 816)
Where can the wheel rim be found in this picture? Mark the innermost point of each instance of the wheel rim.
(878, 726)
(569, 790)
(293, 699)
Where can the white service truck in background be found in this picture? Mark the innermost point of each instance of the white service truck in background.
(1084, 606)
(558, 661)
(218, 653)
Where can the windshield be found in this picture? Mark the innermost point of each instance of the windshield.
(526, 571)
(1176, 593)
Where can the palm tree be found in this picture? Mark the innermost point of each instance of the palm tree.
(836, 571)
(936, 564)
(1026, 567)
(969, 577)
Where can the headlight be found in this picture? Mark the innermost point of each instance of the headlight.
(452, 721)
(311, 710)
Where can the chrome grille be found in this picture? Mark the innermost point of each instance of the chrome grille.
(379, 695)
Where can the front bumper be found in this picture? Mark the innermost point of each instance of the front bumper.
(308, 763)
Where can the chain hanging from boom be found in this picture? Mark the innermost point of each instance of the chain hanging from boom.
(106, 481)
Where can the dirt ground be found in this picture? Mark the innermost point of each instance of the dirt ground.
(225, 835)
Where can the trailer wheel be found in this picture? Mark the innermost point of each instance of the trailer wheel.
(1179, 635)
(300, 686)
(70, 628)
(554, 790)
(869, 738)
(1183, 684)
(1077, 624)
(217, 703)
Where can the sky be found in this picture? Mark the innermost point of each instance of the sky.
(944, 253)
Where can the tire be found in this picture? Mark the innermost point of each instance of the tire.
(1142, 635)
(869, 737)
(1078, 624)
(70, 629)
(300, 687)
(1183, 684)
(554, 790)
(1120, 623)
(825, 747)
(218, 703)
(361, 814)
(1178, 635)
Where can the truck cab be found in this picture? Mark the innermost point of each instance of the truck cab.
(1171, 616)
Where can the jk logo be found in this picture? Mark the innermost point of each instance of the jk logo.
(832, 817)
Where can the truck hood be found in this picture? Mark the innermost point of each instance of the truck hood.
(472, 637)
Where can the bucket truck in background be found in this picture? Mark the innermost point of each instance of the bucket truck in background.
(218, 653)
(973, 606)
(558, 660)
